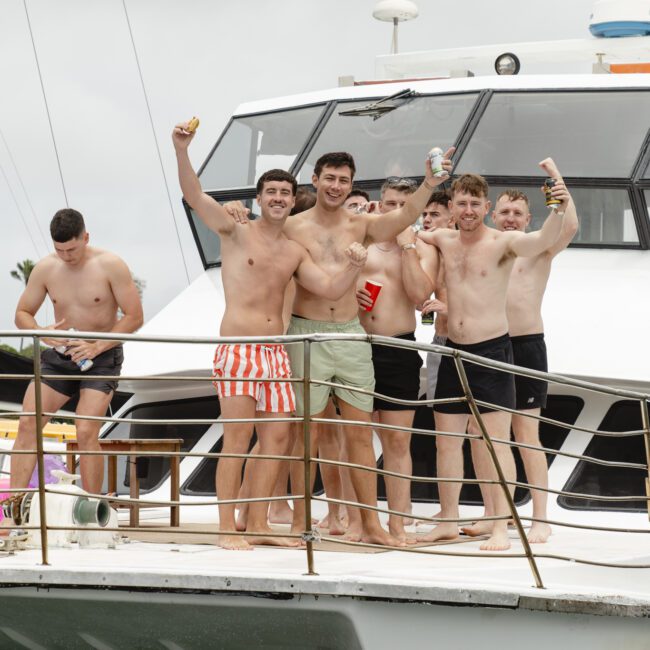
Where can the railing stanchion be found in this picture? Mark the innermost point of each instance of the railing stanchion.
(38, 408)
(306, 432)
(645, 420)
(502, 478)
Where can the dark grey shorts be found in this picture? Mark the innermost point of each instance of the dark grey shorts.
(108, 363)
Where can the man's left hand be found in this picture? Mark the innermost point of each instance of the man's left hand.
(357, 254)
(79, 350)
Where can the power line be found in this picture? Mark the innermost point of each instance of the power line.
(153, 130)
(22, 185)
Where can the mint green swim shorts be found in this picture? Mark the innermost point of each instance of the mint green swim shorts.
(342, 362)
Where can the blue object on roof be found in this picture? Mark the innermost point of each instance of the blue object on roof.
(615, 28)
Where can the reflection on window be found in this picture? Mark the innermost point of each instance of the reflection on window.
(211, 242)
(255, 144)
(602, 480)
(605, 215)
(397, 143)
(587, 133)
(154, 470)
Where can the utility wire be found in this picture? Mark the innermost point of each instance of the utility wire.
(153, 130)
(47, 108)
(22, 185)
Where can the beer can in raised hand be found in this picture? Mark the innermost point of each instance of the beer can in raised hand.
(436, 157)
(549, 184)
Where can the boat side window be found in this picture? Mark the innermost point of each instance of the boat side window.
(605, 214)
(600, 480)
(596, 134)
(153, 471)
(254, 144)
(395, 144)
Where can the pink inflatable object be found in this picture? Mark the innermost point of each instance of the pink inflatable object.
(52, 462)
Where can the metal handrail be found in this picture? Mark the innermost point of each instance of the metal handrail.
(308, 536)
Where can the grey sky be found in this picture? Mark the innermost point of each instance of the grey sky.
(198, 57)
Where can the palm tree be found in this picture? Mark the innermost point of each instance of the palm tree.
(25, 269)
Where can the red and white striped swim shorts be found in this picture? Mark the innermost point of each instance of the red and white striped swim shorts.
(255, 361)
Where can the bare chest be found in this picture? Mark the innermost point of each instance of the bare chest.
(475, 263)
(384, 260)
(327, 245)
(87, 288)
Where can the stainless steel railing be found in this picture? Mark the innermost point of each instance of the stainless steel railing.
(309, 535)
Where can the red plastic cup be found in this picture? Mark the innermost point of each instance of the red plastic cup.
(373, 288)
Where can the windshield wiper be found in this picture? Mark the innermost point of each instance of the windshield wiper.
(381, 106)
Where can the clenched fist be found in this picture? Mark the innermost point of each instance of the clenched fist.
(357, 253)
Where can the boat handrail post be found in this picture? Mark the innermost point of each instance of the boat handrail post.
(499, 470)
(306, 432)
(645, 420)
(40, 460)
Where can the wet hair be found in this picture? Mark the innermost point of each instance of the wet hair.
(472, 184)
(358, 192)
(277, 175)
(515, 195)
(67, 224)
(407, 185)
(441, 197)
(335, 159)
(305, 199)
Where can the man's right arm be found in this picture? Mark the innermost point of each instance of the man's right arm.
(30, 302)
(210, 211)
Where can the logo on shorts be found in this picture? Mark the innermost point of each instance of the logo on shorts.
(531, 400)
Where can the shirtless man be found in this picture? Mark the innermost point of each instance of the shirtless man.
(87, 286)
(478, 261)
(524, 308)
(258, 262)
(406, 267)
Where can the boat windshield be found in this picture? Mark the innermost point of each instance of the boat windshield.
(599, 139)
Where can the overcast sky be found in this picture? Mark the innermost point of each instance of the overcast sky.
(197, 57)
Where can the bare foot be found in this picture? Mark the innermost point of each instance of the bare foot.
(280, 513)
(380, 536)
(233, 543)
(353, 534)
(398, 532)
(539, 532)
(446, 531)
(272, 541)
(481, 527)
(498, 542)
(242, 518)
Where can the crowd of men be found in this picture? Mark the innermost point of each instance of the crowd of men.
(306, 274)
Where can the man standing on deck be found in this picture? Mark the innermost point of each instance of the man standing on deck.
(258, 262)
(87, 287)
(406, 269)
(526, 289)
(478, 262)
(323, 230)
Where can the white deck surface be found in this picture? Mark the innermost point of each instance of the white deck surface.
(392, 575)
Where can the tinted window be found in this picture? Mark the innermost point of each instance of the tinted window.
(605, 215)
(257, 143)
(396, 144)
(153, 471)
(578, 129)
(423, 451)
(598, 480)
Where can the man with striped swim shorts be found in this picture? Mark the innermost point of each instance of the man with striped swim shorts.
(258, 262)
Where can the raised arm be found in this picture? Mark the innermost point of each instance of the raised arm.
(570, 224)
(210, 211)
(331, 287)
(384, 227)
(419, 266)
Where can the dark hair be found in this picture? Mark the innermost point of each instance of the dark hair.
(515, 195)
(441, 197)
(277, 175)
(67, 224)
(305, 199)
(471, 184)
(335, 159)
(357, 192)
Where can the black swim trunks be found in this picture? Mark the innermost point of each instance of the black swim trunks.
(529, 351)
(397, 374)
(108, 363)
(487, 384)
